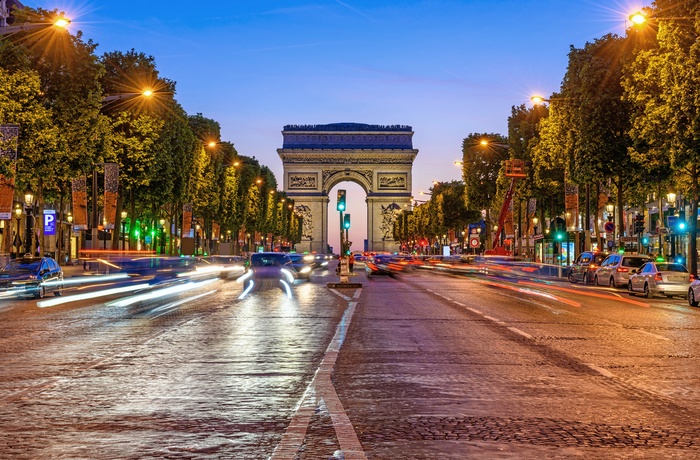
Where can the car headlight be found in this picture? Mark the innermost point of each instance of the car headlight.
(288, 275)
(308, 258)
(305, 270)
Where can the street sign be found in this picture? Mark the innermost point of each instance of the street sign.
(49, 221)
(474, 242)
(609, 227)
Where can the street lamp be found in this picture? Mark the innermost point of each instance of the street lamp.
(18, 238)
(61, 22)
(29, 206)
(610, 208)
(196, 247)
(535, 220)
(69, 218)
(123, 222)
(162, 236)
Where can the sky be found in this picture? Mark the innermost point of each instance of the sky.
(447, 68)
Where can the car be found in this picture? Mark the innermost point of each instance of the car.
(303, 264)
(584, 267)
(665, 278)
(694, 293)
(268, 270)
(382, 264)
(321, 260)
(227, 266)
(32, 277)
(616, 269)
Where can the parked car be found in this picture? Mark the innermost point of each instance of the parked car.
(32, 277)
(584, 267)
(694, 293)
(616, 269)
(664, 278)
(303, 264)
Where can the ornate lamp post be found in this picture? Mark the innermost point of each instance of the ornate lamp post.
(162, 236)
(29, 206)
(123, 222)
(69, 218)
(196, 245)
(18, 239)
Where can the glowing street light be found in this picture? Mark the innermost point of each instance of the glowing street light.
(61, 22)
(638, 18)
(147, 93)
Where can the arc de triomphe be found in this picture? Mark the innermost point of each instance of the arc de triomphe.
(378, 158)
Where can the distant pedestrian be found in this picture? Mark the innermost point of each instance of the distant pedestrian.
(351, 262)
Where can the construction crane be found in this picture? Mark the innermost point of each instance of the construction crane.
(515, 169)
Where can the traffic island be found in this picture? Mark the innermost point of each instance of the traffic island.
(344, 285)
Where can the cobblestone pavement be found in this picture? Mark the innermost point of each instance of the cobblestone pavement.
(214, 378)
(444, 367)
(418, 367)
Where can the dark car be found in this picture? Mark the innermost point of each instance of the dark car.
(303, 264)
(32, 277)
(268, 270)
(584, 267)
(382, 264)
(321, 260)
(227, 266)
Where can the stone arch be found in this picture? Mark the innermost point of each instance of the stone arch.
(331, 178)
(318, 157)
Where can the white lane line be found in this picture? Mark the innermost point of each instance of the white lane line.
(341, 295)
(622, 326)
(600, 370)
(518, 331)
(491, 318)
(660, 337)
(319, 393)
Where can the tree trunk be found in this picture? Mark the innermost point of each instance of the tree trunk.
(692, 224)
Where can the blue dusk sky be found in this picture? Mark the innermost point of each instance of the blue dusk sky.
(447, 68)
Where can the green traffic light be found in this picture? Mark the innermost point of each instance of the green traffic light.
(341, 200)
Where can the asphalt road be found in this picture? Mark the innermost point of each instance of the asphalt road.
(421, 366)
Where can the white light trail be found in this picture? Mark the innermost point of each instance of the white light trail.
(159, 293)
(90, 295)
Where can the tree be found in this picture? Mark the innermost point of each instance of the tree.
(663, 83)
(481, 166)
(69, 75)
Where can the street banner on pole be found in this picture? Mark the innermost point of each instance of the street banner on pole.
(571, 201)
(8, 150)
(80, 216)
(111, 191)
(187, 221)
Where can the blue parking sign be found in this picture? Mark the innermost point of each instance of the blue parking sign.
(49, 222)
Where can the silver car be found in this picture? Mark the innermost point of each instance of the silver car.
(664, 278)
(616, 269)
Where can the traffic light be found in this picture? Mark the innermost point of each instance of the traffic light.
(346, 221)
(645, 240)
(341, 200)
(559, 236)
(639, 224)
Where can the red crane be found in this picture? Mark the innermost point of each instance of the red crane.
(515, 169)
